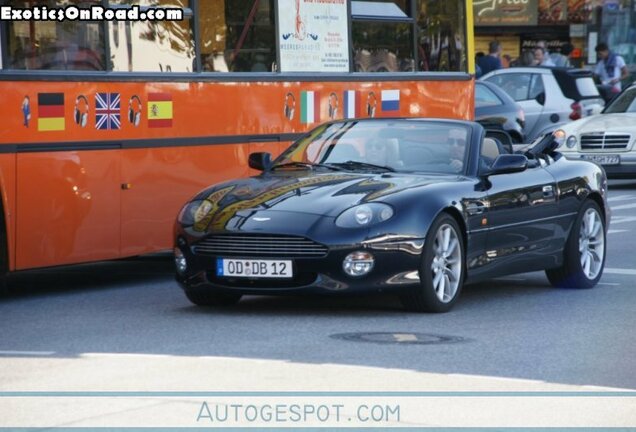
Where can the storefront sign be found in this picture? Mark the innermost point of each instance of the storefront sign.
(505, 12)
(313, 35)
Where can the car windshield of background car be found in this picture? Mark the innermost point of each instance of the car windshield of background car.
(623, 103)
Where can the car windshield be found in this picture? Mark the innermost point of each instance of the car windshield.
(381, 145)
(624, 103)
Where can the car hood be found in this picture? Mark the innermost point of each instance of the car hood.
(618, 122)
(317, 194)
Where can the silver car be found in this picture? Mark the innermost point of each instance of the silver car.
(550, 97)
(608, 139)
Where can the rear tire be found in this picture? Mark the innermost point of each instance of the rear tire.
(442, 269)
(206, 298)
(585, 251)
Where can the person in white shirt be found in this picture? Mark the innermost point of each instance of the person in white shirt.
(541, 58)
(611, 68)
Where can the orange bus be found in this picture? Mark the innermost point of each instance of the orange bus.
(109, 126)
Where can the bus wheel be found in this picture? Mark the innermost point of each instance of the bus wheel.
(206, 298)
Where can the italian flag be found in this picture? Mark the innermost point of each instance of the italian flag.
(309, 107)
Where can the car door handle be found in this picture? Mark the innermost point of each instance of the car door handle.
(475, 208)
(548, 191)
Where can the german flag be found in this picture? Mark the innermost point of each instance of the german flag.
(51, 112)
(159, 110)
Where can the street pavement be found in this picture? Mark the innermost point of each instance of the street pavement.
(126, 327)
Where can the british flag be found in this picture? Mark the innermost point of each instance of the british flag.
(107, 111)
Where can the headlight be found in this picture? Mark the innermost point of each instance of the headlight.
(559, 136)
(571, 142)
(364, 215)
(194, 212)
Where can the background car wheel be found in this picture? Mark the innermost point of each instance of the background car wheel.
(442, 269)
(206, 298)
(584, 254)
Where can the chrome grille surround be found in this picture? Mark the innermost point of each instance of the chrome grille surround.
(605, 141)
(259, 245)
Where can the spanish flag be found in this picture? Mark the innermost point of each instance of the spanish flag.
(159, 110)
(51, 112)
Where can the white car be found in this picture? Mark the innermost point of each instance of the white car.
(550, 97)
(608, 138)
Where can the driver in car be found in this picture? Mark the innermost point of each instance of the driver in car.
(376, 151)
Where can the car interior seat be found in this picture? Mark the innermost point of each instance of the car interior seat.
(490, 150)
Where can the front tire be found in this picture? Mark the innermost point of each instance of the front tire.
(442, 269)
(206, 298)
(584, 253)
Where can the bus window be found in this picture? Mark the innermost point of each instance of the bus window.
(237, 36)
(167, 46)
(442, 36)
(48, 45)
(382, 47)
(382, 36)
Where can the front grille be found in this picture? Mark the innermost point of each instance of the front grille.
(605, 141)
(260, 246)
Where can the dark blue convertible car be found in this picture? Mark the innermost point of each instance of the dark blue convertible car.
(417, 207)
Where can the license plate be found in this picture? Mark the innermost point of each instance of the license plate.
(253, 268)
(603, 159)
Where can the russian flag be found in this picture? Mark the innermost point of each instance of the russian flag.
(309, 107)
(351, 99)
(390, 100)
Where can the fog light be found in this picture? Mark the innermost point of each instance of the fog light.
(571, 142)
(180, 261)
(358, 263)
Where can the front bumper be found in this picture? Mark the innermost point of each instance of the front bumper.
(396, 267)
(625, 169)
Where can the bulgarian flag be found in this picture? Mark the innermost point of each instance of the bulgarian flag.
(309, 107)
(352, 105)
(51, 112)
(159, 110)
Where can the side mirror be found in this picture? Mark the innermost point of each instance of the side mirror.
(260, 161)
(509, 163)
(540, 98)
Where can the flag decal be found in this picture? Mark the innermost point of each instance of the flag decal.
(309, 107)
(107, 111)
(159, 110)
(51, 112)
(352, 105)
(390, 100)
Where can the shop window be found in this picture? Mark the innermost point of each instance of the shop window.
(48, 45)
(237, 35)
(152, 46)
